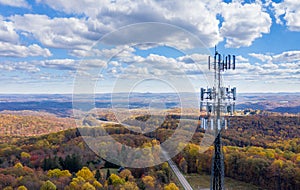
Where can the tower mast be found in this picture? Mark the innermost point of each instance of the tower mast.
(218, 101)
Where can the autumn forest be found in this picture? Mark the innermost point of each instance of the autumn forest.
(43, 151)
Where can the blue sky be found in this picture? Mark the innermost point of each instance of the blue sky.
(47, 46)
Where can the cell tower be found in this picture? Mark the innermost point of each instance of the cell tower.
(218, 101)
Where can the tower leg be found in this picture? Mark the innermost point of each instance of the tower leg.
(217, 176)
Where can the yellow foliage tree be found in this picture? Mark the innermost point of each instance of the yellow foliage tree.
(270, 153)
(22, 188)
(297, 159)
(147, 145)
(116, 180)
(149, 181)
(48, 185)
(171, 186)
(86, 174)
(97, 184)
(155, 142)
(278, 163)
(57, 173)
(77, 183)
(88, 186)
(193, 149)
(18, 165)
(129, 186)
(126, 174)
(25, 155)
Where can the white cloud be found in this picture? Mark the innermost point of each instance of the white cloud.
(243, 23)
(15, 3)
(278, 67)
(71, 64)
(129, 65)
(117, 14)
(7, 32)
(12, 50)
(284, 57)
(240, 59)
(69, 33)
(270, 66)
(291, 65)
(262, 57)
(288, 12)
(9, 43)
(289, 56)
(190, 66)
(155, 65)
(59, 64)
(133, 71)
(56, 64)
(120, 51)
(20, 66)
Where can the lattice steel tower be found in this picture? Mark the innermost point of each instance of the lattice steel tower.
(219, 101)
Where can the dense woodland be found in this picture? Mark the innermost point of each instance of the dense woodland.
(262, 150)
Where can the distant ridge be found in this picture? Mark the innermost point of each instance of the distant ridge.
(61, 104)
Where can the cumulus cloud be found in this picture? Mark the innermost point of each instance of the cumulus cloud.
(276, 67)
(15, 3)
(243, 23)
(168, 68)
(240, 58)
(283, 66)
(195, 65)
(288, 12)
(284, 57)
(71, 64)
(261, 57)
(288, 56)
(20, 66)
(68, 33)
(184, 14)
(105, 53)
(9, 43)
(54, 65)
(154, 65)
(12, 50)
(59, 64)
(7, 32)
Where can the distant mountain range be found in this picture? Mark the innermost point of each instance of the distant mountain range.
(61, 104)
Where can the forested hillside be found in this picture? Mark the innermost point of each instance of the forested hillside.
(262, 150)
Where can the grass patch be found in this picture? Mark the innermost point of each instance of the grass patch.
(202, 182)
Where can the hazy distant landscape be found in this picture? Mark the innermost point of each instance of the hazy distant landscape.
(61, 104)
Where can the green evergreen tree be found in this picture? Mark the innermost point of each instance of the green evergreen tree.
(107, 174)
(72, 163)
(62, 163)
(98, 175)
(76, 163)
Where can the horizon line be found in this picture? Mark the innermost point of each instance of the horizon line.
(41, 93)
